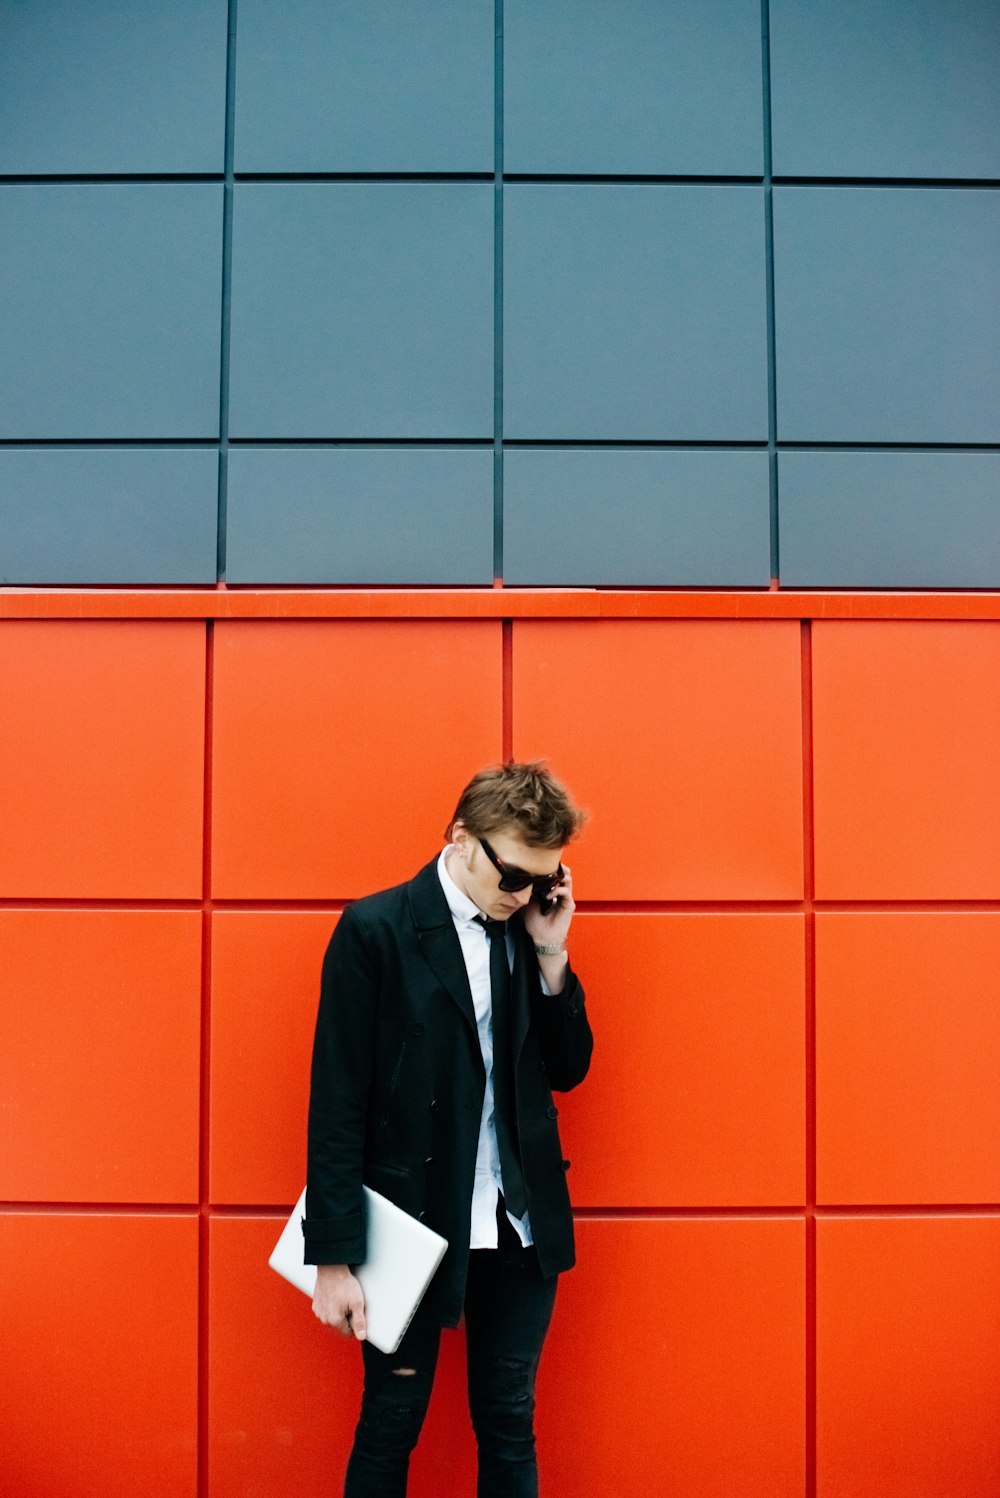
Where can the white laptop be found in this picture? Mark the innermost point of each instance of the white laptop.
(402, 1255)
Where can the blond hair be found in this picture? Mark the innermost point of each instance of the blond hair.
(525, 799)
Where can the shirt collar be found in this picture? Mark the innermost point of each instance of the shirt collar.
(462, 908)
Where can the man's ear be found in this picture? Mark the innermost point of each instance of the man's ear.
(460, 837)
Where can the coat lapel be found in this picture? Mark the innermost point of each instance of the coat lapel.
(438, 938)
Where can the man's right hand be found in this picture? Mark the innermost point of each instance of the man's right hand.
(339, 1300)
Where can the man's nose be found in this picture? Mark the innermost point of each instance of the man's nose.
(522, 896)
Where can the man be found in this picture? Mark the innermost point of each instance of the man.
(448, 1009)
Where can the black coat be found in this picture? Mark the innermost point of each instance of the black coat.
(398, 1084)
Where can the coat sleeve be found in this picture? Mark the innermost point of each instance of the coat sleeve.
(341, 1079)
(564, 1034)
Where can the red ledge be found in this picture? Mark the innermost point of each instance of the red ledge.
(483, 603)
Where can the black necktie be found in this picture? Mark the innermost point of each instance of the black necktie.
(503, 1069)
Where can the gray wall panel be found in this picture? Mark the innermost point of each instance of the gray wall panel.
(115, 87)
(356, 317)
(360, 515)
(885, 314)
(863, 89)
(110, 307)
(362, 310)
(387, 86)
(889, 519)
(108, 515)
(634, 312)
(633, 87)
(612, 517)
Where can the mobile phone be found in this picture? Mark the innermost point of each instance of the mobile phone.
(545, 903)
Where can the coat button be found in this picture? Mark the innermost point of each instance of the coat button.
(565, 1165)
(429, 1160)
(574, 1008)
(552, 1111)
(421, 1216)
(435, 1105)
(541, 1066)
(416, 1029)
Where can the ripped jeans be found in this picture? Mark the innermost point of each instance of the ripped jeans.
(508, 1307)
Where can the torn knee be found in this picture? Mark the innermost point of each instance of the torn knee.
(515, 1379)
(503, 1410)
(405, 1372)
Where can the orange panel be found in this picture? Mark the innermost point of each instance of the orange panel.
(704, 1396)
(696, 1093)
(99, 1055)
(908, 1044)
(907, 755)
(675, 1366)
(98, 1397)
(683, 738)
(908, 1357)
(340, 749)
(265, 992)
(101, 759)
(284, 1391)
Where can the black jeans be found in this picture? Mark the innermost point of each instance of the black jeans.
(508, 1307)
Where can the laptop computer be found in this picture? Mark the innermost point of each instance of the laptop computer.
(402, 1256)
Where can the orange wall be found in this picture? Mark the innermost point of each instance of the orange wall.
(784, 1161)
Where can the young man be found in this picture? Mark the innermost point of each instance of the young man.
(448, 1010)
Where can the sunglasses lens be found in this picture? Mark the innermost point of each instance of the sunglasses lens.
(547, 883)
(512, 881)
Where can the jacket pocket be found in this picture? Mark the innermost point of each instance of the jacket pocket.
(395, 1183)
(386, 1168)
(392, 1084)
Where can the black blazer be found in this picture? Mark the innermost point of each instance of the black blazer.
(398, 1082)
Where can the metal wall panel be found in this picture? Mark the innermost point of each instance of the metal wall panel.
(885, 90)
(645, 517)
(109, 310)
(351, 514)
(889, 519)
(362, 310)
(634, 87)
(634, 312)
(885, 314)
(108, 514)
(381, 87)
(115, 87)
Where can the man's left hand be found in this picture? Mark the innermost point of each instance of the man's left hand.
(551, 929)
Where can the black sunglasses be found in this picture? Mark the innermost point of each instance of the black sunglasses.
(513, 879)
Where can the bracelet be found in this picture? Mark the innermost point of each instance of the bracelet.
(546, 949)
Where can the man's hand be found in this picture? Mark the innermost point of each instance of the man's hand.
(552, 930)
(339, 1300)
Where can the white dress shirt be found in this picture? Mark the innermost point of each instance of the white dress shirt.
(476, 951)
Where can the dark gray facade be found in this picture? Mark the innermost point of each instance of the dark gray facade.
(571, 295)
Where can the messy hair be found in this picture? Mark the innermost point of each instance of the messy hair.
(524, 799)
